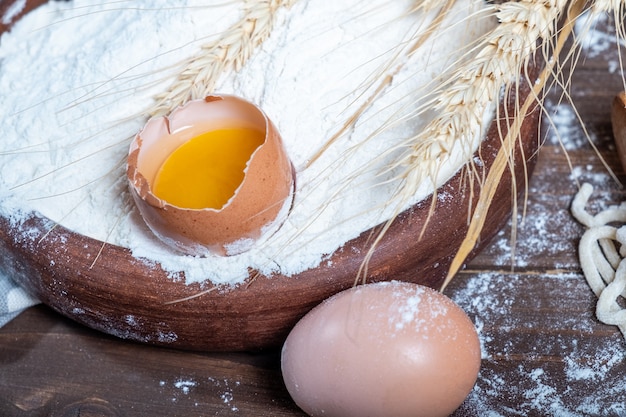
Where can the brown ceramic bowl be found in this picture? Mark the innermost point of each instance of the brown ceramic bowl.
(121, 296)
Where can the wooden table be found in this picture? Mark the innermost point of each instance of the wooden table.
(544, 353)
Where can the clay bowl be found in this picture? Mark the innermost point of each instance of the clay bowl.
(121, 296)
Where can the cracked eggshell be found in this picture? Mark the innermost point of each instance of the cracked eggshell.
(390, 349)
(260, 203)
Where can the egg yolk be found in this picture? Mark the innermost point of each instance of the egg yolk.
(205, 171)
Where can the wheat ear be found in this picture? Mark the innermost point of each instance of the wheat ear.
(200, 73)
(508, 145)
(504, 55)
(507, 51)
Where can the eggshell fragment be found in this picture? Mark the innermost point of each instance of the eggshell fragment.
(388, 349)
(260, 203)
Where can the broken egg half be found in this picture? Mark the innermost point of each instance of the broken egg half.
(212, 177)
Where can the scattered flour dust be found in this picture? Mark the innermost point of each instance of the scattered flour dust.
(570, 369)
(186, 388)
(597, 42)
(80, 73)
(585, 382)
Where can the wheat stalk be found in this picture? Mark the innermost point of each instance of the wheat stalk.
(501, 61)
(200, 73)
(547, 19)
(574, 11)
(524, 25)
(507, 51)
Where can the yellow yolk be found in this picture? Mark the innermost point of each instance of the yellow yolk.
(206, 171)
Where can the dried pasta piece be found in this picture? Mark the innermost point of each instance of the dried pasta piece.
(602, 255)
(607, 309)
(592, 260)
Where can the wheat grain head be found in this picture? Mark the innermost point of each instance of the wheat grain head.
(199, 73)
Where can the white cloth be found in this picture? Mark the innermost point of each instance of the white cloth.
(13, 300)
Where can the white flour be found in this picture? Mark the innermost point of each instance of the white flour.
(80, 73)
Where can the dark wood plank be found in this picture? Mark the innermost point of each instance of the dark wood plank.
(52, 366)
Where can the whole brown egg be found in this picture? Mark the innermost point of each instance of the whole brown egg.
(390, 349)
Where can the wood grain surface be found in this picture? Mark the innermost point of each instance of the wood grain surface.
(545, 354)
